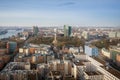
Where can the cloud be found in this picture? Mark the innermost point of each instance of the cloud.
(67, 4)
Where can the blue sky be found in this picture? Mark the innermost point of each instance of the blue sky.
(60, 12)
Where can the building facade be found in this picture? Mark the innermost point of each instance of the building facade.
(35, 30)
(11, 46)
(106, 53)
(67, 31)
(85, 35)
(91, 50)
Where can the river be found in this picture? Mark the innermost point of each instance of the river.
(10, 33)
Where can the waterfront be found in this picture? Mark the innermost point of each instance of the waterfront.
(10, 33)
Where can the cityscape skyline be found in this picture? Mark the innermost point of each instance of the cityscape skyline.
(58, 13)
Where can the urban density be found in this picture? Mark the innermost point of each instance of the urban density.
(53, 53)
(59, 39)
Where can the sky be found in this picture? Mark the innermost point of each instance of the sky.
(60, 12)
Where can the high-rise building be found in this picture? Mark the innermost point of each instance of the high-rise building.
(67, 31)
(11, 46)
(35, 30)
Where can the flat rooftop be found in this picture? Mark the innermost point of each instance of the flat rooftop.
(56, 73)
(69, 78)
(80, 62)
(99, 60)
(17, 67)
(113, 71)
(93, 73)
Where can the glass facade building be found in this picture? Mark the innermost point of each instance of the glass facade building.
(67, 31)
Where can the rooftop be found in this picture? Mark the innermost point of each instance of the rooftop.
(79, 63)
(93, 73)
(69, 78)
(99, 60)
(113, 71)
(56, 73)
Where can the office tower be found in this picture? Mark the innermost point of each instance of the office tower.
(67, 31)
(35, 30)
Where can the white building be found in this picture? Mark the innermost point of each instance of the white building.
(91, 50)
(118, 34)
(85, 34)
(105, 52)
(64, 66)
(81, 49)
(95, 66)
(24, 51)
(112, 34)
(73, 50)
